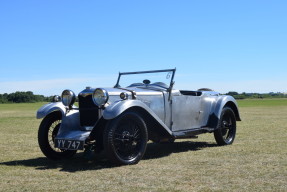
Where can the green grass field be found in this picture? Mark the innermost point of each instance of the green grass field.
(262, 102)
(257, 160)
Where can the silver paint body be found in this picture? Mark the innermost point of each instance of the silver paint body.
(175, 115)
(183, 112)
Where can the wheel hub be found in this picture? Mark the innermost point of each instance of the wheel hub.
(128, 138)
(125, 134)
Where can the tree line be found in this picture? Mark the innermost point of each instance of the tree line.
(23, 97)
(245, 95)
(29, 97)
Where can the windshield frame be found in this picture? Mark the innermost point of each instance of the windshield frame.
(152, 71)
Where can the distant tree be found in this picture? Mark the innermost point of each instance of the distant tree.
(3, 98)
(232, 93)
(22, 97)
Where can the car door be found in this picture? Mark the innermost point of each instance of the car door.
(185, 112)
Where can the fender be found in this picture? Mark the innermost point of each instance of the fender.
(229, 101)
(117, 108)
(70, 126)
(217, 109)
(49, 108)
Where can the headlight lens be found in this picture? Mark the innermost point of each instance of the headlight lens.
(68, 98)
(56, 98)
(100, 97)
(124, 96)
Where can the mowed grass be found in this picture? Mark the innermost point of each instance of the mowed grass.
(256, 161)
(262, 102)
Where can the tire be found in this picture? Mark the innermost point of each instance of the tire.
(226, 128)
(125, 139)
(48, 130)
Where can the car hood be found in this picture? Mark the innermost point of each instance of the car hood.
(114, 93)
(137, 90)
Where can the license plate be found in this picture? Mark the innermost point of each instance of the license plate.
(69, 144)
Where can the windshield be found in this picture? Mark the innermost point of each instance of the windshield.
(160, 78)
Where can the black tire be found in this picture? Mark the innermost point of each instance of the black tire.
(226, 128)
(125, 139)
(48, 130)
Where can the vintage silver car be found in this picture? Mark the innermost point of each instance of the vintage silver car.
(142, 106)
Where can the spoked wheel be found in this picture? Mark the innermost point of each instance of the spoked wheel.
(226, 128)
(125, 139)
(48, 130)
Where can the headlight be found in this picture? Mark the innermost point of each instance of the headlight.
(100, 97)
(124, 96)
(68, 98)
(56, 98)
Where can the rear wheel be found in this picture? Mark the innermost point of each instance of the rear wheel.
(48, 130)
(125, 139)
(226, 128)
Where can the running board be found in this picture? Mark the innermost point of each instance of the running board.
(191, 133)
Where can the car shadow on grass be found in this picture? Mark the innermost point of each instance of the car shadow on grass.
(158, 150)
(99, 161)
(74, 164)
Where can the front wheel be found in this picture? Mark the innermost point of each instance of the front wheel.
(125, 139)
(226, 128)
(48, 130)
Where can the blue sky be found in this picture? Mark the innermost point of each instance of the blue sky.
(48, 46)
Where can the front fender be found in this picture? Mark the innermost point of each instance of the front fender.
(120, 106)
(117, 108)
(49, 108)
